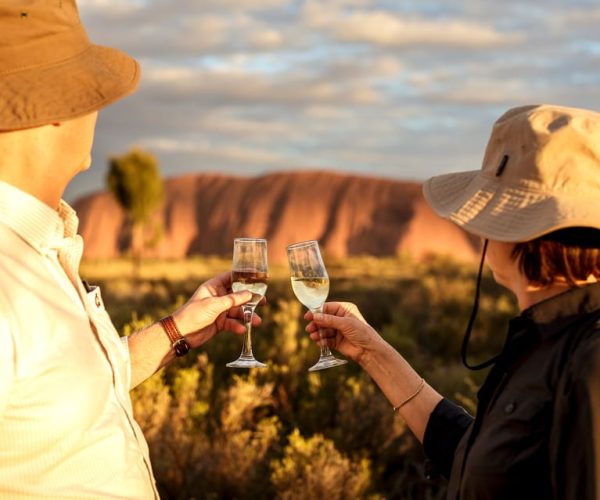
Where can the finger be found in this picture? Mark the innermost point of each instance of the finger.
(314, 328)
(330, 341)
(333, 308)
(314, 336)
(238, 314)
(256, 319)
(226, 302)
(234, 326)
(342, 309)
(325, 333)
(330, 321)
(235, 313)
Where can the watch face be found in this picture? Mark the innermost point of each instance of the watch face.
(181, 347)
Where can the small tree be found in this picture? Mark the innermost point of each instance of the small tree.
(135, 181)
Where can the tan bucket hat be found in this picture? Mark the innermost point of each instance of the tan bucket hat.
(540, 173)
(49, 69)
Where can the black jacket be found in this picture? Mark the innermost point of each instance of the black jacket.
(536, 434)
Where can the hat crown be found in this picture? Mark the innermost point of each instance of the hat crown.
(24, 21)
(550, 149)
(39, 32)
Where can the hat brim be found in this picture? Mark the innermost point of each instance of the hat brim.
(68, 89)
(482, 206)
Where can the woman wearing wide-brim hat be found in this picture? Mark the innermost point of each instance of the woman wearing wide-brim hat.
(66, 420)
(536, 205)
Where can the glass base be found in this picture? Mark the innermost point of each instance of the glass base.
(327, 362)
(246, 362)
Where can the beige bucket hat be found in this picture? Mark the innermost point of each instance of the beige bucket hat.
(49, 69)
(540, 173)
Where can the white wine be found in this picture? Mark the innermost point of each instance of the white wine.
(253, 281)
(312, 292)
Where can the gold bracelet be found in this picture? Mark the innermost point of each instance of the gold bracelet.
(412, 396)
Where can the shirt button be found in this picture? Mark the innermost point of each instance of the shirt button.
(509, 408)
(98, 303)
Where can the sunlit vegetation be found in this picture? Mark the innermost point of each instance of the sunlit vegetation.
(281, 432)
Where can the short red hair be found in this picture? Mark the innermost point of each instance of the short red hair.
(571, 254)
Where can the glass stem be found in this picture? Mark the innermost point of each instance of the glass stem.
(325, 352)
(247, 345)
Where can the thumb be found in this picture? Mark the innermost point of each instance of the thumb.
(331, 321)
(226, 302)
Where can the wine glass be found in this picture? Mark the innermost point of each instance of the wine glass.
(310, 283)
(249, 272)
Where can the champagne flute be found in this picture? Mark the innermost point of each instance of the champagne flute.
(310, 283)
(249, 272)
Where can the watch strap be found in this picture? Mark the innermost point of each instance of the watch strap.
(178, 342)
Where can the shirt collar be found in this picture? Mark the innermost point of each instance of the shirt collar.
(553, 315)
(35, 222)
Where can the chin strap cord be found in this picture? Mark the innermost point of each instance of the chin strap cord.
(467, 337)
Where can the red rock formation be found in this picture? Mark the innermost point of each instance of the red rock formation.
(348, 214)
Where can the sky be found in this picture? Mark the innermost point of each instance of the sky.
(389, 88)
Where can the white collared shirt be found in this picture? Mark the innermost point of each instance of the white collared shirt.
(66, 420)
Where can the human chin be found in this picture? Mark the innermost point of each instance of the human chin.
(500, 278)
(86, 164)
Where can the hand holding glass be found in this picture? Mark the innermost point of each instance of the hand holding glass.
(310, 283)
(249, 273)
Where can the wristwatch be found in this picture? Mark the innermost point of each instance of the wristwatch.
(178, 342)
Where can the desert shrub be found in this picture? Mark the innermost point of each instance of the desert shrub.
(242, 440)
(314, 468)
(172, 417)
(364, 419)
(194, 456)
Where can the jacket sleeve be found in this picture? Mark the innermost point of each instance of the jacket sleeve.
(447, 425)
(575, 436)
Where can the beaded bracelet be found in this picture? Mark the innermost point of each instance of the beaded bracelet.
(412, 396)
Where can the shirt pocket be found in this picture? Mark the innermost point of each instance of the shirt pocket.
(528, 411)
(518, 427)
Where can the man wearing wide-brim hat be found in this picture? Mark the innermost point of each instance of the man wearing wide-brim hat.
(66, 423)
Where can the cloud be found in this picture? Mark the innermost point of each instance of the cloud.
(266, 39)
(580, 16)
(233, 86)
(213, 152)
(246, 5)
(394, 30)
(113, 7)
(179, 31)
(225, 123)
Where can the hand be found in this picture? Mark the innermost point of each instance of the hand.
(343, 328)
(213, 308)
